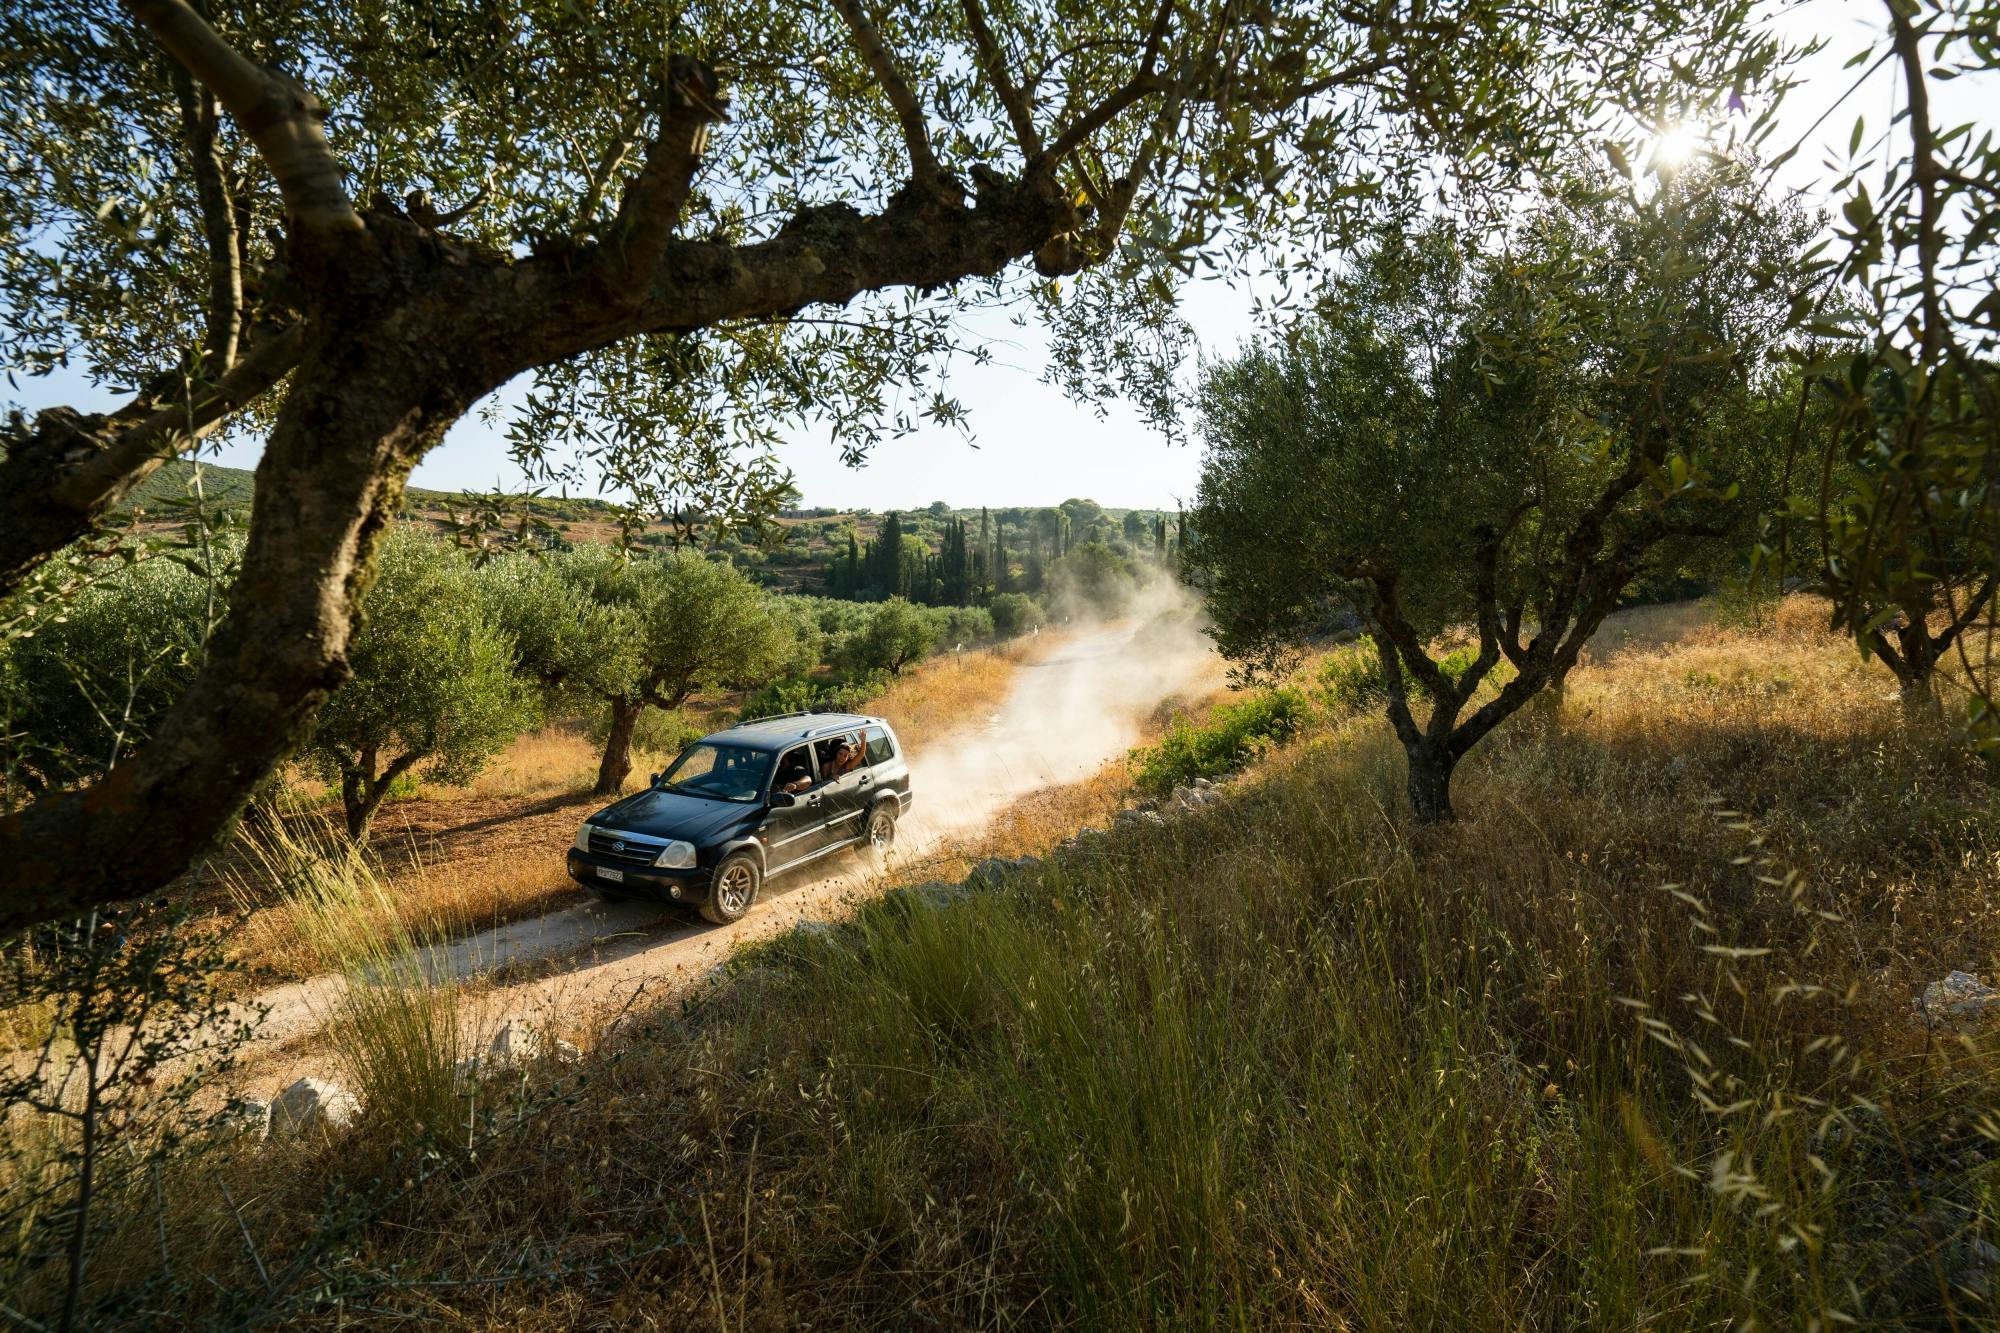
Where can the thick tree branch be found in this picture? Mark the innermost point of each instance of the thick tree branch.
(200, 115)
(1140, 85)
(609, 162)
(275, 111)
(916, 134)
(651, 209)
(58, 480)
(994, 62)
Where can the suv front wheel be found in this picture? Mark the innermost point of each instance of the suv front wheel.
(736, 883)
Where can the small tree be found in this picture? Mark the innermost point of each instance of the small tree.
(1503, 445)
(1015, 613)
(433, 683)
(897, 634)
(696, 624)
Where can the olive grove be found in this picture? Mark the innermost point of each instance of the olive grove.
(343, 226)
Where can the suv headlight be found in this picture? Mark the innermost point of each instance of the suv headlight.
(676, 856)
(583, 838)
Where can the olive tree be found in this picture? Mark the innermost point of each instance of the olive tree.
(346, 224)
(692, 624)
(897, 633)
(431, 687)
(1904, 528)
(1503, 443)
(90, 682)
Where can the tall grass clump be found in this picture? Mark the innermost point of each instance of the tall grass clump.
(1234, 734)
(392, 1006)
(1609, 1051)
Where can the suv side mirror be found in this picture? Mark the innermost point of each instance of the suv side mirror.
(654, 780)
(781, 799)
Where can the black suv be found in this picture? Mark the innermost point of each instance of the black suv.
(747, 803)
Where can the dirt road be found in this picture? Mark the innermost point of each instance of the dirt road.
(1072, 709)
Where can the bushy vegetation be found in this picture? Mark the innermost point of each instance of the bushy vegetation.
(1234, 735)
(1294, 1061)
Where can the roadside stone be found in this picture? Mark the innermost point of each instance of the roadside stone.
(517, 1042)
(313, 1105)
(245, 1117)
(1959, 997)
(815, 927)
(1127, 818)
(995, 871)
(567, 1051)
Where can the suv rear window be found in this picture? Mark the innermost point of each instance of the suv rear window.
(880, 751)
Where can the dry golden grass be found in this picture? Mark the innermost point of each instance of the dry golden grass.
(543, 763)
(940, 695)
(274, 876)
(1293, 1062)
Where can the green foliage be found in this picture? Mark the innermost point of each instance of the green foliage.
(1903, 526)
(573, 647)
(897, 634)
(804, 694)
(433, 689)
(1235, 734)
(89, 683)
(1014, 614)
(1352, 681)
(1502, 440)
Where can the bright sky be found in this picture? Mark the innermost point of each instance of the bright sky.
(1030, 445)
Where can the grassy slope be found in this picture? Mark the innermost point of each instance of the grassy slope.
(1290, 1061)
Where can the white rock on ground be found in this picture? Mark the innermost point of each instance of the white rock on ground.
(245, 1117)
(517, 1042)
(313, 1105)
(1959, 996)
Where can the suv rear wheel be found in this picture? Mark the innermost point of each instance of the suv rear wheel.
(881, 828)
(736, 882)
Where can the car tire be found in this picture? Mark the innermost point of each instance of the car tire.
(737, 880)
(880, 834)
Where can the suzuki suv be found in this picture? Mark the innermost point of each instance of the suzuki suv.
(745, 804)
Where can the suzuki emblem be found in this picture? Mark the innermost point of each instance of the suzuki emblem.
(618, 845)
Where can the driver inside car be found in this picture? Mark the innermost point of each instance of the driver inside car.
(795, 774)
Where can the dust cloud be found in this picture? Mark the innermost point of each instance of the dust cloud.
(1069, 713)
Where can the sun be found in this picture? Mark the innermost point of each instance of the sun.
(1676, 146)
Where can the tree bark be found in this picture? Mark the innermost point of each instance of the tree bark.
(617, 764)
(1430, 781)
(362, 791)
(372, 394)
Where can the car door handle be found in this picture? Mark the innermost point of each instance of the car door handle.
(813, 799)
(864, 780)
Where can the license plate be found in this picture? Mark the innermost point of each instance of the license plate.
(615, 876)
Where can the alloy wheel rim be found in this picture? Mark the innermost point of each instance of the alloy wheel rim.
(735, 892)
(878, 833)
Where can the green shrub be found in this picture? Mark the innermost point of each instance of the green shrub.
(1015, 613)
(1352, 680)
(663, 731)
(1233, 735)
(806, 694)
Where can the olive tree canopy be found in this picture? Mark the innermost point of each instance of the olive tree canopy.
(1502, 442)
(346, 224)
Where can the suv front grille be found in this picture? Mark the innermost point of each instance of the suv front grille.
(622, 847)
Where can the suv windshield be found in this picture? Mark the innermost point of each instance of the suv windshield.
(719, 772)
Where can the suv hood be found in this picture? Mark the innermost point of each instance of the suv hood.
(665, 814)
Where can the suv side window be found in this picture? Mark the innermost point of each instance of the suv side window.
(880, 751)
(796, 763)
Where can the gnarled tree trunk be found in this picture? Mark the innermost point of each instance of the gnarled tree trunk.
(617, 763)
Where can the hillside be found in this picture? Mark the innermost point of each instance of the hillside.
(794, 555)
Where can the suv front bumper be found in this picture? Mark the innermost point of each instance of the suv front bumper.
(682, 886)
